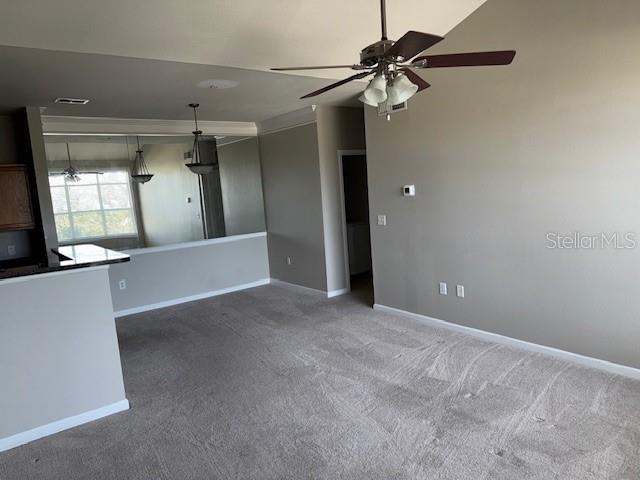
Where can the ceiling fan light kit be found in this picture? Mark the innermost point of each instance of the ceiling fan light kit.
(71, 173)
(394, 81)
(401, 89)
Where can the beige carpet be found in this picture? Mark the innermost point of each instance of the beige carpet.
(275, 383)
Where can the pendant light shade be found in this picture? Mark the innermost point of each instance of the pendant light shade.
(196, 166)
(401, 90)
(140, 172)
(376, 92)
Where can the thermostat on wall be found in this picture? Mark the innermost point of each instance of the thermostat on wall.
(409, 191)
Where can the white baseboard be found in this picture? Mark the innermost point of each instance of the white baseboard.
(336, 293)
(60, 425)
(300, 287)
(329, 294)
(583, 360)
(190, 298)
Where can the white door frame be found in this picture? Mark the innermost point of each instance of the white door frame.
(343, 212)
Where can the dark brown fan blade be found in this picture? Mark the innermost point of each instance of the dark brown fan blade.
(337, 84)
(320, 67)
(411, 44)
(415, 79)
(504, 57)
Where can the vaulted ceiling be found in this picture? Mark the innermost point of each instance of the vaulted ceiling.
(249, 35)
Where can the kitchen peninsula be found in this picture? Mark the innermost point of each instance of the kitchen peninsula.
(59, 358)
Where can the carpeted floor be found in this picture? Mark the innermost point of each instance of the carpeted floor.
(277, 383)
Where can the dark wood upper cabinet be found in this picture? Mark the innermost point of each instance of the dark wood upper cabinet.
(16, 212)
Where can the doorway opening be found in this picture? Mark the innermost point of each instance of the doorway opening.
(355, 229)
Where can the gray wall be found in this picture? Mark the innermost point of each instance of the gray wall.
(169, 274)
(293, 205)
(168, 218)
(500, 157)
(59, 352)
(241, 182)
(338, 129)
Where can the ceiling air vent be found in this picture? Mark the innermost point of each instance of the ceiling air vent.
(71, 101)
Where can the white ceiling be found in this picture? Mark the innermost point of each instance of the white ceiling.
(249, 34)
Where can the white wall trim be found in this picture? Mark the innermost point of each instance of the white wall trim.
(300, 287)
(190, 298)
(197, 243)
(297, 118)
(582, 360)
(60, 425)
(329, 294)
(54, 124)
(26, 278)
(336, 293)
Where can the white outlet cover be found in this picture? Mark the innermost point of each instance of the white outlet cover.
(11, 250)
(443, 288)
(382, 220)
(122, 284)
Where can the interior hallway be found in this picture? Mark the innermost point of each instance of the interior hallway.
(277, 382)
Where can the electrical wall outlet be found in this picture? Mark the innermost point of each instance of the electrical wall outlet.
(11, 250)
(443, 288)
(288, 260)
(122, 284)
(460, 291)
(382, 220)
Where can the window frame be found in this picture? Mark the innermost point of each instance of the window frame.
(102, 211)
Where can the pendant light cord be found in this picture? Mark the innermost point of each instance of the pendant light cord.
(69, 155)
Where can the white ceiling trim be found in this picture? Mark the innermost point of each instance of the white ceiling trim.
(297, 118)
(61, 125)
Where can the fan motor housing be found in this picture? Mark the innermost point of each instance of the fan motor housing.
(372, 54)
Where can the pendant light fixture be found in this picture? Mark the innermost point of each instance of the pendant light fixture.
(196, 165)
(140, 172)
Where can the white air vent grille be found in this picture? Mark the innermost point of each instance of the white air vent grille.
(71, 101)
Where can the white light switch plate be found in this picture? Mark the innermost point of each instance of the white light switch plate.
(382, 220)
(460, 291)
(443, 288)
(11, 250)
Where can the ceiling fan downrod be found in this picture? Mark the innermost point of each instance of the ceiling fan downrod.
(383, 18)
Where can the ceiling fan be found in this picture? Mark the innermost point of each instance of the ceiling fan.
(394, 80)
(71, 173)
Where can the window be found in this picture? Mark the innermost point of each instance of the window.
(97, 206)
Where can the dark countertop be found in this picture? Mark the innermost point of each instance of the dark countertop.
(68, 258)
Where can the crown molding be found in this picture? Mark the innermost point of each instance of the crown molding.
(61, 125)
(297, 118)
